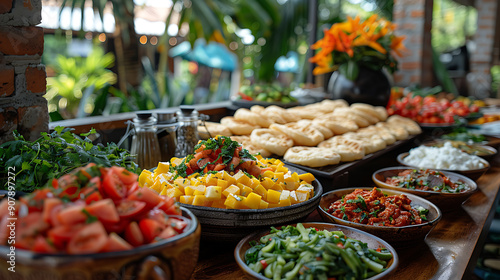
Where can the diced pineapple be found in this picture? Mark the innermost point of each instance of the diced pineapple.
(277, 187)
(213, 192)
(182, 182)
(233, 189)
(162, 167)
(302, 195)
(254, 183)
(186, 199)
(273, 196)
(281, 169)
(233, 202)
(230, 179)
(285, 202)
(252, 201)
(261, 191)
(293, 198)
(284, 195)
(199, 192)
(267, 183)
(175, 161)
(308, 177)
(157, 186)
(146, 179)
(199, 200)
(268, 174)
(245, 191)
(241, 178)
(200, 188)
(189, 190)
(211, 180)
(263, 204)
(172, 192)
(279, 176)
(222, 183)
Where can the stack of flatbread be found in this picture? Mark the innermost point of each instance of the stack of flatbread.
(318, 134)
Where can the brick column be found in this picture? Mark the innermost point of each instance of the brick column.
(22, 77)
(414, 20)
(482, 55)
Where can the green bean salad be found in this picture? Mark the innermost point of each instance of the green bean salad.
(308, 253)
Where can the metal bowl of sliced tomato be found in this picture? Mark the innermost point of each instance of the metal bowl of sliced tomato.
(96, 223)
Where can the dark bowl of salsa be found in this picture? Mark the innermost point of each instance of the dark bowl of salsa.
(401, 228)
(446, 189)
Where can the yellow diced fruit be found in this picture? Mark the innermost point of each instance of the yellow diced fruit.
(277, 187)
(284, 195)
(213, 192)
(200, 188)
(273, 196)
(186, 199)
(175, 161)
(258, 157)
(211, 180)
(260, 190)
(230, 179)
(268, 183)
(291, 186)
(195, 182)
(157, 186)
(279, 163)
(172, 192)
(279, 176)
(263, 204)
(273, 205)
(233, 202)
(254, 183)
(199, 200)
(308, 177)
(302, 195)
(219, 203)
(285, 202)
(222, 183)
(182, 182)
(246, 191)
(281, 169)
(189, 190)
(199, 192)
(252, 201)
(162, 167)
(268, 174)
(241, 178)
(233, 189)
(307, 187)
(295, 177)
(146, 178)
(293, 197)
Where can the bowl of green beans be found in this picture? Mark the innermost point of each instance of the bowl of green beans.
(315, 251)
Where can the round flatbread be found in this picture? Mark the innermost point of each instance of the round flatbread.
(367, 109)
(250, 117)
(272, 140)
(214, 129)
(331, 105)
(348, 149)
(257, 109)
(399, 132)
(327, 133)
(283, 113)
(238, 127)
(303, 113)
(382, 132)
(311, 156)
(347, 113)
(372, 143)
(301, 135)
(250, 146)
(336, 124)
(410, 125)
(382, 113)
(371, 119)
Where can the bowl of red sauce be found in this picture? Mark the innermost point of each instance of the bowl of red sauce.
(402, 219)
(447, 190)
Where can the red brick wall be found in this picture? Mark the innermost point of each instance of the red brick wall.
(414, 18)
(22, 77)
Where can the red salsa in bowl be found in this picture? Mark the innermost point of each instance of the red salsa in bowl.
(426, 180)
(372, 207)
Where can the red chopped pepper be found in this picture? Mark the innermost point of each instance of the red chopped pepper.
(264, 264)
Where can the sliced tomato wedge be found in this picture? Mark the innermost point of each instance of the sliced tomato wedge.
(134, 235)
(48, 205)
(147, 195)
(159, 216)
(61, 235)
(68, 186)
(178, 223)
(71, 215)
(173, 210)
(133, 187)
(35, 200)
(104, 210)
(130, 208)
(166, 202)
(150, 229)
(118, 227)
(43, 246)
(113, 186)
(91, 191)
(124, 175)
(28, 228)
(90, 239)
(4, 230)
(167, 233)
(116, 243)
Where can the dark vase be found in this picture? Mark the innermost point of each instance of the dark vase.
(371, 87)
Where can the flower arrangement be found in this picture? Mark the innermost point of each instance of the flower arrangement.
(348, 45)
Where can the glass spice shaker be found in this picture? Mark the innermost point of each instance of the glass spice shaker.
(187, 131)
(145, 142)
(166, 134)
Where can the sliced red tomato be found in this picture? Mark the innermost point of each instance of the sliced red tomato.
(4, 230)
(167, 233)
(61, 235)
(159, 216)
(173, 210)
(116, 243)
(104, 210)
(130, 208)
(90, 239)
(113, 186)
(35, 200)
(43, 246)
(71, 215)
(92, 191)
(133, 187)
(68, 186)
(166, 203)
(178, 223)
(118, 227)
(150, 229)
(48, 205)
(147, 195)
(134, 235)
(28, 228)
(124, 175)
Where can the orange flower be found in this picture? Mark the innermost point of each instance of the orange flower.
(352, 37)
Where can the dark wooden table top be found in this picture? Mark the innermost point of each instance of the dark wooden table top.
(450, 251)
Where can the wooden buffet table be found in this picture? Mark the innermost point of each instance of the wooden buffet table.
(450, 251)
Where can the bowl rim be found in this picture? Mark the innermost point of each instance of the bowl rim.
(400, 158)
(243, 266)
(409, 195)
(318, 192)
(473, 185)
(193, 226)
